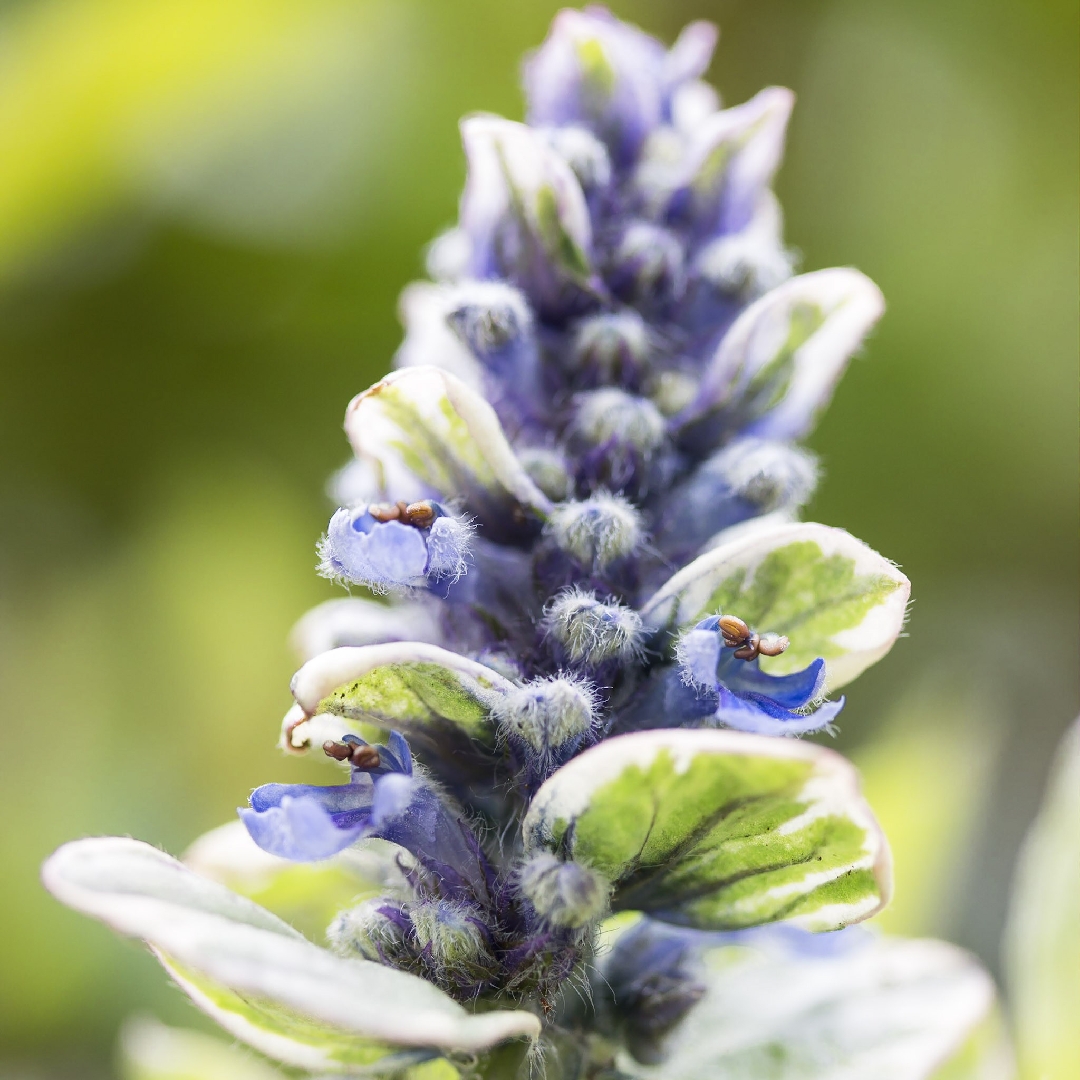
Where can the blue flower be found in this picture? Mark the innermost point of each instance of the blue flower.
(387, 546)
(740, 695)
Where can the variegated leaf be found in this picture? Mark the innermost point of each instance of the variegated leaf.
(828, 593)
(776, 368)
(438, 700)
(426, 423)
(258, 977)
(718, 830)
(889, 1009)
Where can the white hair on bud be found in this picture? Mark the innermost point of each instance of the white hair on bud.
(586, 155)
(451, 939)
(448, 547)
(612, 344)
(591, 630)
(549, 712)
(365, 931)
(597, 531)
(750, 262)
(487, 314)
(771, 475)
(613, 415)
(565, 894)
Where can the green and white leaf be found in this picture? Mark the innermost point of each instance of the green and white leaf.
(892, 1009)
(150, 1050)
(718, 830)
(307, 895)
(437, 699)
(1042, 938)
(258, 977)
(426, 423)
(777, 366)
(830, 594)
(517, 179)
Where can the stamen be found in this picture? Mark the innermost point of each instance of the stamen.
(359, 755)
(749, 644)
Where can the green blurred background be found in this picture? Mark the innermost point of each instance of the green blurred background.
(207, 209)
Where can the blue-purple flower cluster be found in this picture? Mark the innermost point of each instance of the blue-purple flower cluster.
(618, 290)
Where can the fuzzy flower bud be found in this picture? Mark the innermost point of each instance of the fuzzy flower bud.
(563, 894)
(597, 531)
(374, 929)
(610, 348)
(591, 631)
(453, 939)
(647, 266)
(584, 153)
(491, 319)
(548, 715)
(619, 436)
(395, 546)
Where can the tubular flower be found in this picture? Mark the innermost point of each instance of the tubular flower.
(581, 488)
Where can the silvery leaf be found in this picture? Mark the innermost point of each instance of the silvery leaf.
(718, 830)
(428, 424)
(257, 976)
(356, 621)
(438, 700)
(777, 366)
(152, 1051)
(828, 593)
(890, 1009)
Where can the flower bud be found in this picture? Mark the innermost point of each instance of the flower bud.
(618, 436)
(563, 894)
(610, 348)
(491, 319)
(648, 265)
(453, 940)
(591, 631)
(395, 546)
(375, 930)
(548, 471)
(548, 715)
(597, 531)
(584, 153)
(770, 475)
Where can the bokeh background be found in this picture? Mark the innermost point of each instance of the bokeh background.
(207, 210)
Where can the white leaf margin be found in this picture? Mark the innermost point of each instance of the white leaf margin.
(681, 600)
(142, 892)
(833, 787)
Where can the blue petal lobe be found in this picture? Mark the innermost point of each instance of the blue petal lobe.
(763, 717)
(790, 691)
(299, 828)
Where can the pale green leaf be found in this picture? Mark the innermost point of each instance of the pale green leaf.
(718, 830)
(828, 593)
(1042, 940)
(438, 700)
(258, 976)
(777, 366)
(890, 1009)
(425, 423)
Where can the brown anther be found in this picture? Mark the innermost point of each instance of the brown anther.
(339, 751)
(735, 631)
(385, 511)
(750, 649)
(772, 644)
(365, 757)
(419, 514)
